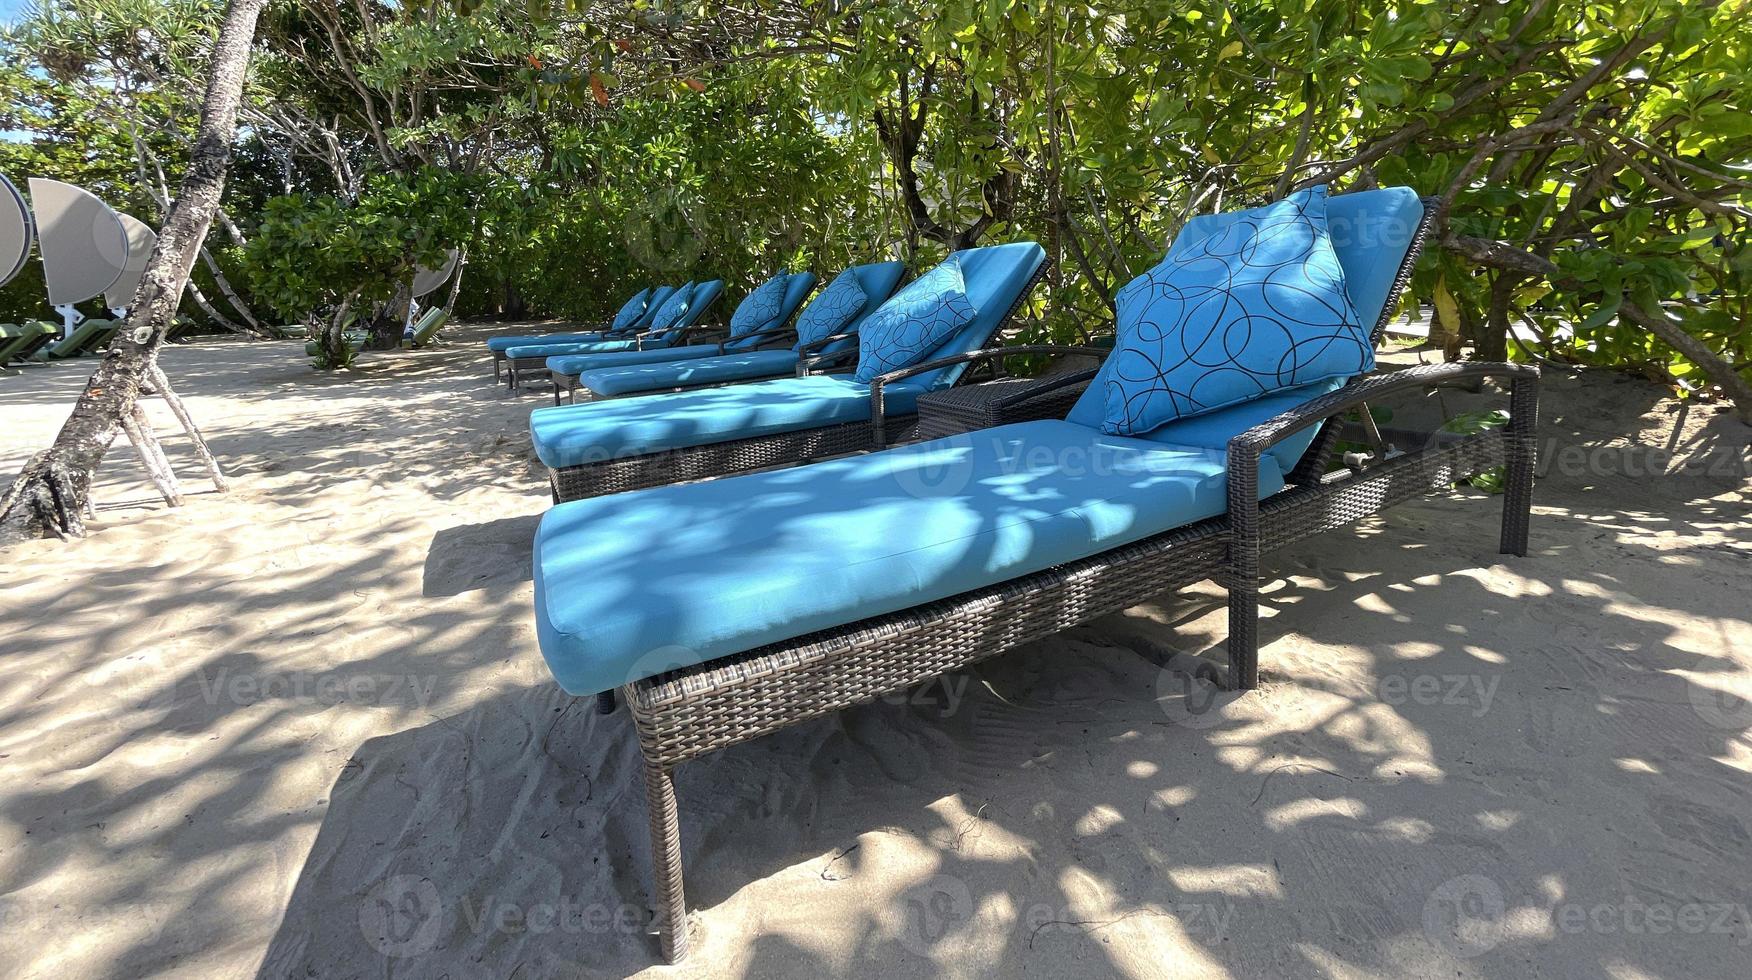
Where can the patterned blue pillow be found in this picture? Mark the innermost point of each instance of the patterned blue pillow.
(832, 309)
(630, 313)
(1256, 306)
(914, 321)
(673, 308)
(761, 308)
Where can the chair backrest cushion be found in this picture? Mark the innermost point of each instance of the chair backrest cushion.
(631, 311)
(653, 303)
(673, 308)
(997, 277)
(915, 321)
(699, 301)
(1237, 311)
(1371, 232)
(761, 308)
(832, 309)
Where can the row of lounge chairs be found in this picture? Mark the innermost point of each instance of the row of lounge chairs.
(39, 340)
(737, 559)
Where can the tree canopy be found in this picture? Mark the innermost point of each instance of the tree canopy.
(1591, 160)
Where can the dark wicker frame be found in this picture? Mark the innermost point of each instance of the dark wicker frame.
(567, 384)
(519, 367)
(616, 475)
(687, 713)
(499, 357)
(684, 714)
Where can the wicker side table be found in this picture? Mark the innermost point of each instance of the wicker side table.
(966, 408)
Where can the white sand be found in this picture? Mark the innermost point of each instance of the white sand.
(303, 731)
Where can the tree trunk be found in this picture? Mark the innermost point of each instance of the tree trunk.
(456, 280)
(51, 493)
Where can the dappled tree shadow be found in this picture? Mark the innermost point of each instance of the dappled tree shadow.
(1450, 748)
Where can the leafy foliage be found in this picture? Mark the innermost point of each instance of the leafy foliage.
(1592, 160)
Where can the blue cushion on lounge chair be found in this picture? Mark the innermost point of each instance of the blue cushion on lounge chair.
(619, 579)
(832, 309)
(914, 321)
(631, 311)
(695, 307)
(751, 365)
(1256, 307)
(581, 347)
(579, 363)
(506, 342)
(1371, 231)
(594, 432)
(996, 276)
(761, 308)
(673, 308)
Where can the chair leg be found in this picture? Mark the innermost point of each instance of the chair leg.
(1243, 581)
(1518, 472)
(1244, 633)
(666, 862)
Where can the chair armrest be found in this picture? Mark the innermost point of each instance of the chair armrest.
(825, 342)
(878, 430)
(1362, 390)
(839, 358)
(773, 333)
(1245, 529)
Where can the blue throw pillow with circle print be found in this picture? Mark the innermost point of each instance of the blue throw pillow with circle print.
(761, 308)
(629, 314)
(1256, 306)
(914, 321)
(832, 309)
(673, 308)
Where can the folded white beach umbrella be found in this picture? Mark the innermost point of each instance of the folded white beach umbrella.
(141, 241)
(83, 242)
(17, 232)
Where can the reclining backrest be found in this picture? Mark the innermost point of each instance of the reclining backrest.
(704, 295)
(996, 276)
(672, 309)
(797, 286)
(659, 296)
(876, 281)
(879, 280)
(1372, 234)
(631, 310)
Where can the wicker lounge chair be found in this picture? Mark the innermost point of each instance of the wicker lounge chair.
(821, 331)
(89, 336)
(635, 315)
(680, 319)
(760, 320)
(731, 609)
(18, 341)
(595, 448)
